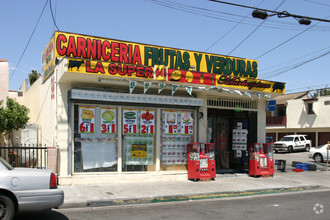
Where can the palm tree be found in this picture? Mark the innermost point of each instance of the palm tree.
(33, 76)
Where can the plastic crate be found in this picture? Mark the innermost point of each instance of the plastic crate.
(294, 163)
(281, 164)
(312, 167)
(303, 166)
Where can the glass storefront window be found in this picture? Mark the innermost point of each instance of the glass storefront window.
(177, 130)
(138, 139)
(95, 139)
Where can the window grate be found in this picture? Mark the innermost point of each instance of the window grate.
(232, 103)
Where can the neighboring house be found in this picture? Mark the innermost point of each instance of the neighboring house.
(4, 85)
(296, 113)
(4, 79)
(14, 94)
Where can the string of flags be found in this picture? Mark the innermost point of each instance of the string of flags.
(189, 89)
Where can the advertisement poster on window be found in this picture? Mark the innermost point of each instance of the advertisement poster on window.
(171, 122)
(147, 125)
(138, 150)
(108, 120)
(86, 119)
(130, 121)
(187, 123)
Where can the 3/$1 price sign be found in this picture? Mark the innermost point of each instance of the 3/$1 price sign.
(146, 118)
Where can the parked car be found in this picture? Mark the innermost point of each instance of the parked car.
(290, 143)
(319, 154)
(27, 189)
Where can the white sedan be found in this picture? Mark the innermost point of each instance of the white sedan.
(319, 154)
(27, 189)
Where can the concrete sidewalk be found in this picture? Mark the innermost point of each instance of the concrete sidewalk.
(225, 185)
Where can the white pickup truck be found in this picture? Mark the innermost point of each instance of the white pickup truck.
(290, 143)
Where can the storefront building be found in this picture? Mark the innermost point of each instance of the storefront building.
(118, 110)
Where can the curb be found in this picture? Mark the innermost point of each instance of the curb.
(188, 197)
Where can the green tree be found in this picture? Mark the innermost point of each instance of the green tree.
(12, 117)
(321, 92)
(33, 76)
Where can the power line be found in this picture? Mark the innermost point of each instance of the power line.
(51, 11)
(265, 74)
(252, 32)
(35, 27)
(300, 64)
(317, 3)
(220, 15)
(280, 14)
(229, 30)
(281, 44)
(308, 87)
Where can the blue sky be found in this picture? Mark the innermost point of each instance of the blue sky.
(298, 55)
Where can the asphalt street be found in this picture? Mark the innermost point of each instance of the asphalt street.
(297, 205)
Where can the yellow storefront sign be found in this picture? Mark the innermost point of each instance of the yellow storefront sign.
(108, 57)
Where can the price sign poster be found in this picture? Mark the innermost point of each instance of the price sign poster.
(130, 121)
(108, 120)
(147, 125)
(86, 119)
(171, 122)
(187, 123)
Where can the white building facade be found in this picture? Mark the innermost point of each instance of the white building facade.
(301, 115)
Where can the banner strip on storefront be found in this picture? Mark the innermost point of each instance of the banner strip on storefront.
(82, 94)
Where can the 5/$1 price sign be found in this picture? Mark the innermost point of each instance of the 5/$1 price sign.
(130, 121)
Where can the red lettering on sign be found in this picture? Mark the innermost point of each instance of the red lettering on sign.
(137, 55)
(140, 71)
(131, 69)
(61, 39)
(112, 69)
(114, 51)
(123, 52)
(148, 72)
(91, 48)
(71, 50)
(81, 47)
(99, 68)
(106, 46)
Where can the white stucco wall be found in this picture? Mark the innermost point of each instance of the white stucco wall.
(4, 79)
(297, 116)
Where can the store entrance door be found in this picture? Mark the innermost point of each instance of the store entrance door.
(219, 131)
(221, 123)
